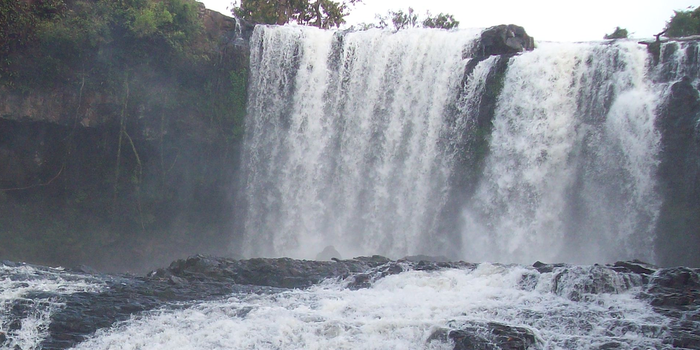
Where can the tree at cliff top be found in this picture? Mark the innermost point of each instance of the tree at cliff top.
(318, 13)
(47, 41)
(684, 23)
(618, 33)
(398, 20)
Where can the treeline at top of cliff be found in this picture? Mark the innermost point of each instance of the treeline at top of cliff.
(116, 116)
(51, 42)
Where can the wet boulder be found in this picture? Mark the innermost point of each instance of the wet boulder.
(488, 336)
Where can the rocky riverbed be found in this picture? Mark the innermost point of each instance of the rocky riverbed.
(52, 308)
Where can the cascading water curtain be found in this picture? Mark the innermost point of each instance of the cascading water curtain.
(573, 157)
(353, 140)
(346, 139)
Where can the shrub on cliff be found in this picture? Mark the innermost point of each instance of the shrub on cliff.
(46, 42)
(684, 23)
(16, 25)
(618, 33)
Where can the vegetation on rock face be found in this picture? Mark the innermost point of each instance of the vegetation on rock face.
(618, 33)
(683, 23)
(98, 38)
(319, 13)
(137, 147)
(398, 20)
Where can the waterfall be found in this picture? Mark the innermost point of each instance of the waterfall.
(573, 156)
(347, 138)
(363, 141)
(678, 59)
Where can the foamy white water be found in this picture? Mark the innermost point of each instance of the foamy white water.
(344, 135)
(37, 291)
(402, 312)
(574, 151)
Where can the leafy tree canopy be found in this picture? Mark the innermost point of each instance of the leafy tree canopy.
(318, 13)
(618, 33)
(398, 20)
(47, 41)
(441, 20)
(684, 23)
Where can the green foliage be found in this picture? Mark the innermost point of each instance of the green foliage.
(684, 23)
(16, 25)
(150, 20)
(238, 98)
(47, 43)
(48, 9)
(150, 63)
(618, 33)
(18, 20)
(398, 20)
(318, 13)
(442, 21)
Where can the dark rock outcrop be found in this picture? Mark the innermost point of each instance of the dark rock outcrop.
(675, 293)
(488, 336)
(678, 226)
(504, 40)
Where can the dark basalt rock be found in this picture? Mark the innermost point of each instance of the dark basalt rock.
(290, 273)
(488, 336)
(427, 258)
(279, 273)
(545, 268)
(678, 227)
(504, 40)
(635, 266)
(675, 293)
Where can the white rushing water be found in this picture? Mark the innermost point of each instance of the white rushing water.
(403, 311)
(678, 59)
(353, 140)
(33, 295)
(344, 136)
(571, 173)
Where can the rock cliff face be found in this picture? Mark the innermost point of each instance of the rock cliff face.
(116, 176)
(679, 175)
